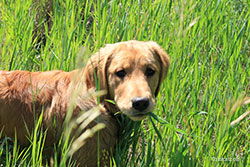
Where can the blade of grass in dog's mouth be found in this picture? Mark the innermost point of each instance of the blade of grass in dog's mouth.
(165, 123)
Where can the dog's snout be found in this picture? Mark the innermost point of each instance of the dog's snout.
(140, 103)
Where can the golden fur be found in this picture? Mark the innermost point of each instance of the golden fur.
(130, 72)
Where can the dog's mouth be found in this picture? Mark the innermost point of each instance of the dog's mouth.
(138, 116)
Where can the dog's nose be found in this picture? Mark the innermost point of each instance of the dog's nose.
(140, 103)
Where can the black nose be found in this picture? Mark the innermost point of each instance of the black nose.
(140, 103)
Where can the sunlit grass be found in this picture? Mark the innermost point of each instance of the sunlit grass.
(208, 42)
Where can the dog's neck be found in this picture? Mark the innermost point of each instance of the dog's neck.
(78, 85)
(111, 108)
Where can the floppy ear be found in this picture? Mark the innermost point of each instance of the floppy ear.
(164, 61)
(95, 72)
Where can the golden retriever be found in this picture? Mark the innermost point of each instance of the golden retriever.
(130, 72)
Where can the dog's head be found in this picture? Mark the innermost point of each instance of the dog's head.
(131, 72)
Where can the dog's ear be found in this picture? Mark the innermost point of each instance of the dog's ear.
(95, 72)
(164, 61)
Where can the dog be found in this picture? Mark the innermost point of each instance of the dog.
(129, 72)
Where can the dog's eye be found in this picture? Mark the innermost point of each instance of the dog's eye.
(121, 73)
(149, 72)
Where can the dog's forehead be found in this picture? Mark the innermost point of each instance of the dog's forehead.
(133, 54)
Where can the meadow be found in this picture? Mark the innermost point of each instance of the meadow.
(207, 87)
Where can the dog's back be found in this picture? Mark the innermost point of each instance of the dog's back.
(25, 95)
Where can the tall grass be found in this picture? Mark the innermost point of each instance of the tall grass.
(208, 42)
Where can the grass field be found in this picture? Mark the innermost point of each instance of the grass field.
(208, 42)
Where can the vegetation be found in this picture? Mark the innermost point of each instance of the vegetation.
(206, 89)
